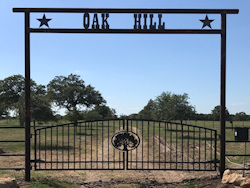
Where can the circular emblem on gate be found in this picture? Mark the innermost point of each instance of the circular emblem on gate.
(125, 140)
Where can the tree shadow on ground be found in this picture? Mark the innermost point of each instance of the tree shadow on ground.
(85, 134)
(179, 130)
(54, 147)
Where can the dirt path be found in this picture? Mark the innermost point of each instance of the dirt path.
(146, 176)
(127, 179)
(101, 178)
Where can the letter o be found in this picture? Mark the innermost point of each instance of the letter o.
(86, 20)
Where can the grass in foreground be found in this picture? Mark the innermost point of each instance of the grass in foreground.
(47, 183)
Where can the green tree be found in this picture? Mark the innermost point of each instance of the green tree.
(122, 116)
(98, 113)
(133, 116)
(148, 112)
(105, 111)
(11, 89)
(3, 112)
(72, 116)
(241, 116)
(92, 116)
(12, 96)
(3, 109)
(216, 113)
(71, 93)
(173, 107)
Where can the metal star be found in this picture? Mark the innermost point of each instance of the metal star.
(44, 21)
(206, 22)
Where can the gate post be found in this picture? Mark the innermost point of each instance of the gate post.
(223, 94)
(27, 95)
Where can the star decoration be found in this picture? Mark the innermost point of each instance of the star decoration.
(206, 22)
(44, 21)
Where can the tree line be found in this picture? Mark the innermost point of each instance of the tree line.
(69, 92)
(84, 102)
(168, 106)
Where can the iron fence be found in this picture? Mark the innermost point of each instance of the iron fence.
(160, 146)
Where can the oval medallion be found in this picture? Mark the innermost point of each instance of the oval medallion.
(125, 140)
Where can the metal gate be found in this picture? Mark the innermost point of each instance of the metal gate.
(125, 144)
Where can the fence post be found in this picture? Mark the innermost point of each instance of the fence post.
(27, 96)
(223, 94)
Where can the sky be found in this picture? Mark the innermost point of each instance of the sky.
(130, 69)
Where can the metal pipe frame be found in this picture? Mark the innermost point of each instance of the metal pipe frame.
(221, 31)
(115, 10)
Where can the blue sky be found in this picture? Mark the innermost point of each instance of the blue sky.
(131, 69)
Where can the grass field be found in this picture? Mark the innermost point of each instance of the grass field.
(71, 149)
(231, 148)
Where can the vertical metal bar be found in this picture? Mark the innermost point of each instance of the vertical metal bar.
(113, 147)
(119, 152)
(159, 145)
(128, 160)
(51, 147)
(182, 146)
(27, 96)
(68, 146)
(125, 161)
(215, 150)
(223, 94)
(91, 149)
(85, 149)
(188, 150)
(62, 147)
(131, 122)
(211, 150)
(57, 147)
(199, 148)
(148, 144)
(102, 145)
(136, 148)
(176, 146)
(45, 140)
(193, 147)
(108, 144)
(205, 148)
(142, 143)
(165, 144)
(171, 129)
(97, 163)
(35, 150)
(80, 143)
(154, 145)
(244, 163)
(39, 149)
(74, 127)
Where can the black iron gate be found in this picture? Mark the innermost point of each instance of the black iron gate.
(125, 144)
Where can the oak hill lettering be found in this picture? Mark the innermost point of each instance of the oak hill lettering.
(141, 21)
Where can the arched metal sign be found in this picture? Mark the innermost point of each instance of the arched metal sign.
(147, 21)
